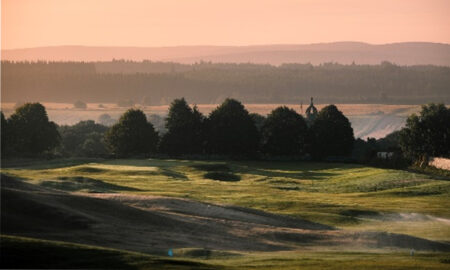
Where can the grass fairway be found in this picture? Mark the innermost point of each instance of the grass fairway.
(345, 196)
(341, 195)
(338, 260)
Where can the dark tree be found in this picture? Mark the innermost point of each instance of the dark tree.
(86, 138)
(364, 151)
(30, 130)
(4, 136)
(427, 133)
(284, 132)
(94, 145)
(390, 143)
(258, 119)
(184, 130)
(331, 134)
(231, 130)
(132, 135)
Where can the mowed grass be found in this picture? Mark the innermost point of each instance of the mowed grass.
(342, 195)
(56, 254)
(337, 260)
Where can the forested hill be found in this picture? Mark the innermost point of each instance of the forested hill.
(155, 83)
(406, 53)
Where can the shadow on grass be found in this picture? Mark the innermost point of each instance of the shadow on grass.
(87, 169)
(218, 167)
(172, 174)
(307, 174)
(78, 183)
(299, 170)
(222, 176)
(43, 164)
(41, 254)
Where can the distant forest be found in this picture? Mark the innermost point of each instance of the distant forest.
(157, 83)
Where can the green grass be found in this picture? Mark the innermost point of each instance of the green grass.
(60, 255)
(320, 192)
(22, 252)
(337, 260)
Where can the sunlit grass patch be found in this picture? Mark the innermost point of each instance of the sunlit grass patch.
(319, 192)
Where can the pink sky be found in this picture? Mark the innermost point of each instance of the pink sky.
(32, 23)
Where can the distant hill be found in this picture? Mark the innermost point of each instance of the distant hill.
(407, 53)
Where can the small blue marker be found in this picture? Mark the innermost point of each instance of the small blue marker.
(170, 252)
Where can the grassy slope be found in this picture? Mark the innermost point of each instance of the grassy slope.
(342, 195)
(54, 254)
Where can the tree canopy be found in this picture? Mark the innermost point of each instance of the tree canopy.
(30, 131)
(427, 133)
(4, 135)
(86, 138)
(231, 130)
(331, 134)
(132, 135)
(184, 129)
(284, 132)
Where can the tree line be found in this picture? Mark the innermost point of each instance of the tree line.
(229, 131)
(156, 83)
(426, 134)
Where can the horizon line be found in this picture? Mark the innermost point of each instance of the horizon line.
(236, 46)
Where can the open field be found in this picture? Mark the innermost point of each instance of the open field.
(368, 120)
(271, 214)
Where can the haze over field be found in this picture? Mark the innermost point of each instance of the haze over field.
(368, 120)
(407, 53)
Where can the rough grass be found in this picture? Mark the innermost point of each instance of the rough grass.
(320, 192)
(22, 252)
(337, 260)
(59, 255)
(346, 196)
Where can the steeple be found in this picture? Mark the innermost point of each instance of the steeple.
(311, 112)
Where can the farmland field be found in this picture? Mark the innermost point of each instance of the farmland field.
(265, 215)
(368, 120)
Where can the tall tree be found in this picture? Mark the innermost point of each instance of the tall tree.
(331, 134)
(284, 132)
(184, 129)
(132, 135)
(427, 133)
(30, 130)
(259, 120)
(231, 130)
(4, 135)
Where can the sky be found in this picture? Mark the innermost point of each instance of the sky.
(144, 23)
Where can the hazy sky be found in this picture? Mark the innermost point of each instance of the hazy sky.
(31, 23)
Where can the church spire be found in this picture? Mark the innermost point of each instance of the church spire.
(311, 112)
